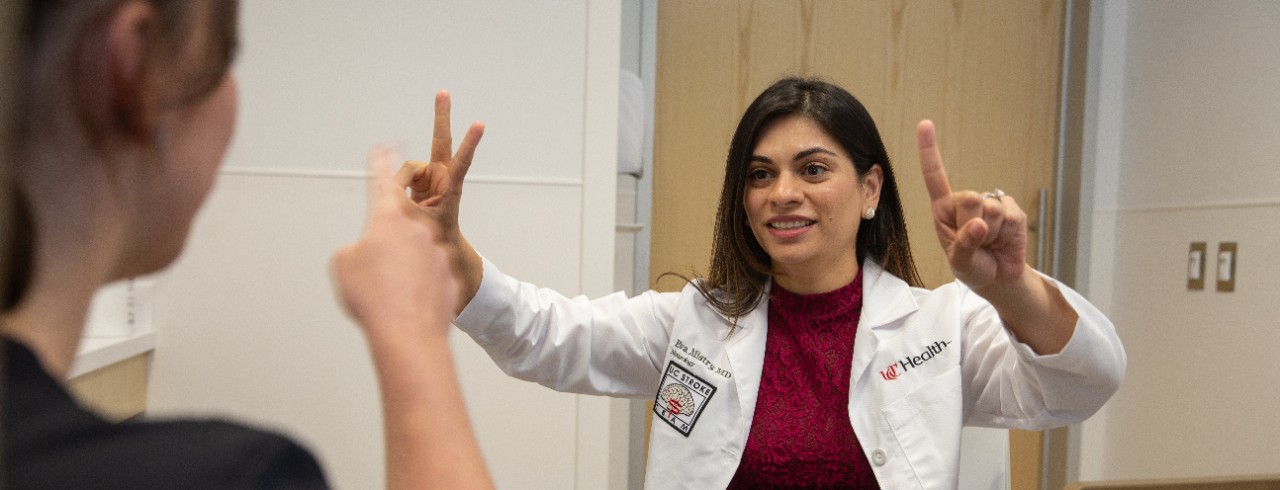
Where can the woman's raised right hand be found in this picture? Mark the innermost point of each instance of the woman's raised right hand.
(436, 188)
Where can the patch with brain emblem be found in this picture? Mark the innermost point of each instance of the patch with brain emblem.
(681, 398)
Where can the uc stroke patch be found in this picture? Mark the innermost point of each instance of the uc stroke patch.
(681, 398)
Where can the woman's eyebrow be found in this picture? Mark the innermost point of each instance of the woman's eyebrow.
(799, 155)
(814, 150)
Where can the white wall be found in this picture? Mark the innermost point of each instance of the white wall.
(1183, 144)
(246, 323)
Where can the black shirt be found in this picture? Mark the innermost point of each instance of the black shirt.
(50, 441)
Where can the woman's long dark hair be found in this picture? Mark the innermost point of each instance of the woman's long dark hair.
(13, 249)
(740, 267)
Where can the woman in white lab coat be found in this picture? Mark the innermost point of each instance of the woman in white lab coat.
(810, 355)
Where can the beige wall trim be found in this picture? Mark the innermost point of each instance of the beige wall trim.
(118, 391)
(1256, 482)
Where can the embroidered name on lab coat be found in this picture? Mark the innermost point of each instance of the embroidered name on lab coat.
(681, 398)
(691, 356)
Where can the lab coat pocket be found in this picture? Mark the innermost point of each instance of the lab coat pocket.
(926, 424)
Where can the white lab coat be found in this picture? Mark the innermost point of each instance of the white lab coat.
(925, 363)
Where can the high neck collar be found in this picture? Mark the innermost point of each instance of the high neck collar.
(835, 302)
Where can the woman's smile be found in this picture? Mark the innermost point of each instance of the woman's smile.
(789, 226)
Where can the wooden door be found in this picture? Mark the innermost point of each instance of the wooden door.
(987, 73)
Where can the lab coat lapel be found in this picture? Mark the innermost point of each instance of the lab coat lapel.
(885, 299)
(746, 352)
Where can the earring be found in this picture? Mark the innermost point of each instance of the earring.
(869, 213)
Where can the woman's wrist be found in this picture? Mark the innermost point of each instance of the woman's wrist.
(468, 268)
(1034, 311)
(1015, 292)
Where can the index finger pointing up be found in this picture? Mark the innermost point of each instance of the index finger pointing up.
(441, 138)
(935, 177)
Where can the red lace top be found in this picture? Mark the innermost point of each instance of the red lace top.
(801, 436)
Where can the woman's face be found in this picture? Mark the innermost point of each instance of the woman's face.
(804, 202)
(199, 139)
(192, 139)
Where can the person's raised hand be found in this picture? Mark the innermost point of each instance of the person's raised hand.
(396, 282)
(436, 186)
(983, 234)
(370, 276)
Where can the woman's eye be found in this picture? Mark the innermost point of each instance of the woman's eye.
(758, 174)
(814, 170)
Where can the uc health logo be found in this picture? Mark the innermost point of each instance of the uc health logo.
(899, 368)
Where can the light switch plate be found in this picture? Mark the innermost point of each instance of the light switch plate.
(1196, 257)
(1228, 255)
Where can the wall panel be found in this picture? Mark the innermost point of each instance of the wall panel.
(247, 325)
(353, 74)
(1183, 146)
(246, 322)
(1199, 398)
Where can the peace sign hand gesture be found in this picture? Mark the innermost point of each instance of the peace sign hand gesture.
(436, 188)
